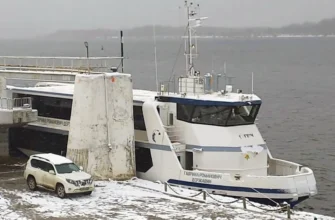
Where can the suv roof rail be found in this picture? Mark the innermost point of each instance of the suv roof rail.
(34, 156)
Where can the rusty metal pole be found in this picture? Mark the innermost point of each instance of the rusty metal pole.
(288, 211)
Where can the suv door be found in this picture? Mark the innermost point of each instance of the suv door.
(36, 170)
(48, 178)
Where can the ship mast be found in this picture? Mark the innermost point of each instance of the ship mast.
(191, 12)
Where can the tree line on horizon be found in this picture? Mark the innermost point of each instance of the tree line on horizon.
(324, 28)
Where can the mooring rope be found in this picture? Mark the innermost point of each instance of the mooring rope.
(281, 208)
(231, 202)
(267, 210)
(204, 191)
(182, 195)
(277, 204)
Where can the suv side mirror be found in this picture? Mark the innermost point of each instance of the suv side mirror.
(52, 172)
(81, 168)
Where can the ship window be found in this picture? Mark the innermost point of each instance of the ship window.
(143, 159)
(171, 119)
(213, 115)
(189, 161)
(218, 115)
(139, 123)
(51, 107)
(184, 112)
(36, 140)
(242, 115)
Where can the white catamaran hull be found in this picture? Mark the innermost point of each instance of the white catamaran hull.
(279, 181)
(264, 189)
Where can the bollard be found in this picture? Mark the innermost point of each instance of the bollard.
(288, 211)
(204, 195)
(244, 203)
(165, 186)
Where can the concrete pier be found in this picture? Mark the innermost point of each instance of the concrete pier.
(101, 135)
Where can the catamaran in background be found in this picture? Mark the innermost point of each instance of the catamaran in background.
(196, 138)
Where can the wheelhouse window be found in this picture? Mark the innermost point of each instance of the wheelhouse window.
(242, 115)
(139, 123)
(218, 115)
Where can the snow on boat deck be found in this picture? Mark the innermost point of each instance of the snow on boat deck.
(67, 89)
(134, 199)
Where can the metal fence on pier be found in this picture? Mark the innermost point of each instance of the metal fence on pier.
(68, 64)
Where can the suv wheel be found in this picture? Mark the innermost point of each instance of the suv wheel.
(31, 182)
(88, 193)
(60, 190)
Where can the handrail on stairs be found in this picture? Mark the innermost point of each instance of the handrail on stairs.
(10, 104)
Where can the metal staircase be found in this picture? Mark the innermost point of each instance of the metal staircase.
(176, 138)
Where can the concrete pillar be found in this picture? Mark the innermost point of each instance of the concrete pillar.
(4, 150)
(3, 84)
(101, 135)
(119, 91)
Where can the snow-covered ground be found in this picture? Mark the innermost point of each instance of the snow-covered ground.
(134, 199)
(6, 212)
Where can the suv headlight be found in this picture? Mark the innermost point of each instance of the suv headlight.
(72, 182)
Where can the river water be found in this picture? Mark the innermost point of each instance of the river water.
(294, 77)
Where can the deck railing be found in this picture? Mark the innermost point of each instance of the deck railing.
(69, 64)
(6, 103)
(24, 102)
(10, 104)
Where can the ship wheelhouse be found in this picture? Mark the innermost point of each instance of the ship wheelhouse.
(215, 113)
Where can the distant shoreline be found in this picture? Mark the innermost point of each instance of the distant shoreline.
(324, 28)
(162, 38)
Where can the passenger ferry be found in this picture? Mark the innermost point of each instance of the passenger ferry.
(196, 138)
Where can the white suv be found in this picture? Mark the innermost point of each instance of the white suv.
(57, 173)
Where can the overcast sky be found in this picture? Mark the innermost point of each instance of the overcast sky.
(33, 17)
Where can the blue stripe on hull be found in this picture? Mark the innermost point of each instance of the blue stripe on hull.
(225, 188)
(265, 201)
(260, 200)
(220, 148)
(190, 147)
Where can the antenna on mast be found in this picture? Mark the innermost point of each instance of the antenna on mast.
(122, 52)
(190, 70)
(225, 74)
(191, 13)
(252, 83)
(156, 69)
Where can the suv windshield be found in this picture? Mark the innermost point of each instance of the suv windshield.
(67, 168)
